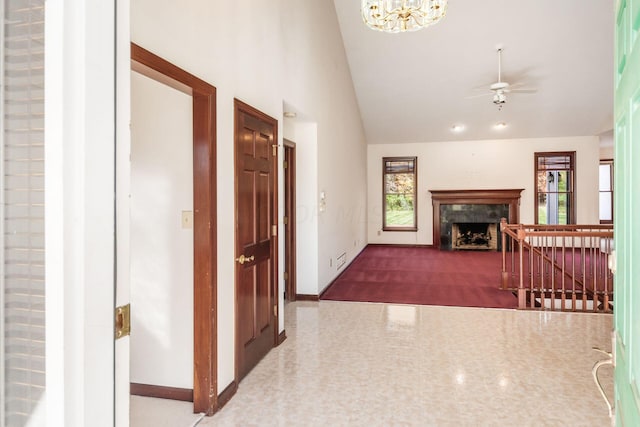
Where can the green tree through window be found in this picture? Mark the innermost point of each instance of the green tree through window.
(399, 193)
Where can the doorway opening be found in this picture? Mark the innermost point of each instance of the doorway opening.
(289, 220)
(205, 393)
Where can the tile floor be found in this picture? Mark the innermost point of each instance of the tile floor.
(363, 364)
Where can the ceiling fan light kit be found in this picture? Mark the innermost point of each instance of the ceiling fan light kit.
(397, 16)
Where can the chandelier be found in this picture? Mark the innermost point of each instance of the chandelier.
(396, 16)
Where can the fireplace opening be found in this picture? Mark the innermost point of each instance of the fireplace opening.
(477, 236)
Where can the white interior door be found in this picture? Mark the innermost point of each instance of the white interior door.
(626, 212)
(123, 190)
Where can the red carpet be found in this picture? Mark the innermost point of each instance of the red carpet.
(423, 276)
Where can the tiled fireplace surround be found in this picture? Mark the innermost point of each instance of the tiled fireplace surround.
(471, 206)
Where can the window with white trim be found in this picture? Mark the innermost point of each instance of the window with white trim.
(606, 191)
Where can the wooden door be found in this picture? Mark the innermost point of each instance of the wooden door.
(256, 241)
(290, 220)
(627, 213)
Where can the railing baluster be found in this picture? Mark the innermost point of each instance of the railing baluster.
(540, 273)
(562, 272)
(603, 266)
(544, 276)
(532, 268)
(584, 274)
(521, 294)
(552, 273)
(513, 262)
(573, 274)
(505, 275)
(594, 274)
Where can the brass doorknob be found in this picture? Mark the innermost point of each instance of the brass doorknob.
(242, 259)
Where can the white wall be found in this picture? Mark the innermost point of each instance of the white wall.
(318, 84)
(264, 53)
(471, 165)
(161, 249)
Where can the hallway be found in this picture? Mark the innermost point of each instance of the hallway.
(364, 364)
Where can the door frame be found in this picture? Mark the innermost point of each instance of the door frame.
(289, 174)
(240, 106)
(205, 340)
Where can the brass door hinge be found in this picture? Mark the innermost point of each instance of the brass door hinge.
(285, 164)
(275, 310)
(123, 321)
(274, 230)
(285, 220)
(275, 149)
(286, 276)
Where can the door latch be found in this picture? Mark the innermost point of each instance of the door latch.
(123, 321)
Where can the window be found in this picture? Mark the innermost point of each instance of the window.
(555, 188)
(399, 193)
(606, 191)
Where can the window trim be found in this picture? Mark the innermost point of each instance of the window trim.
(572, 209)
(612, 186)
(386, 227)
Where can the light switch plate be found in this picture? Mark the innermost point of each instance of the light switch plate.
(187, 219)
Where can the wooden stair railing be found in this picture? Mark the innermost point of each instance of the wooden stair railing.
(558, 267)
(538, 252)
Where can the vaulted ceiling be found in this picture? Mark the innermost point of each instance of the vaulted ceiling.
(414, 87)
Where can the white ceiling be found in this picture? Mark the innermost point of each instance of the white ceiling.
(413, 87)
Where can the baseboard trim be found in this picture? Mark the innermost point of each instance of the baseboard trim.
(162, 392)
(400, 245)
(281, 337)
(307, 297)
(227, 394)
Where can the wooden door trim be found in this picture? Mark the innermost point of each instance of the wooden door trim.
(243, 107)
(205, 368)
(290, 210)
(161, 392)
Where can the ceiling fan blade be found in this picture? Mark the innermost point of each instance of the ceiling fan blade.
(480, 95)
(523, 91)
(483, 87)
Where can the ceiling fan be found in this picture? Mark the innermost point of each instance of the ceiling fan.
(498, 90)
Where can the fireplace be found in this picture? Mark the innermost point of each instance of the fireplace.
(474, 236)
(478, 207)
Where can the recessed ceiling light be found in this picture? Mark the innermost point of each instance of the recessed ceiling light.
(500, 125)
(289, 114)
(457, 128)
